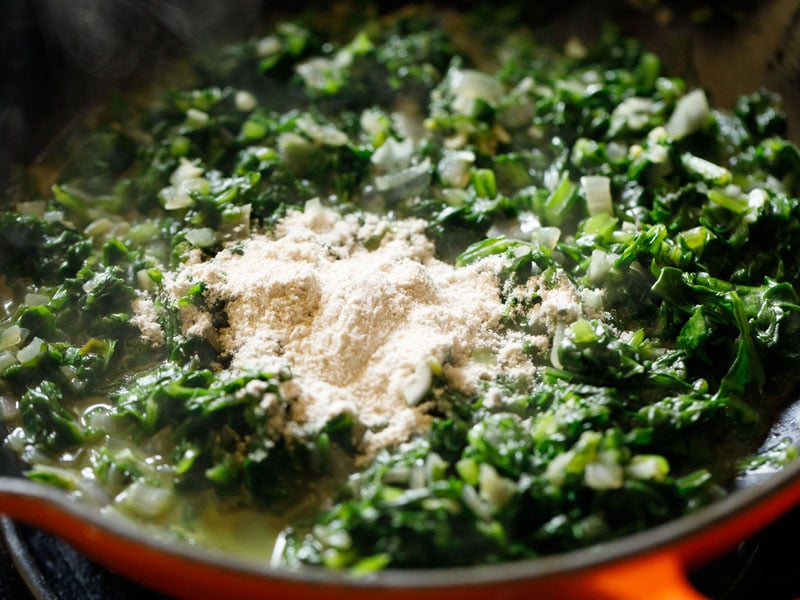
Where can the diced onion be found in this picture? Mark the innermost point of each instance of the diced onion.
(17, 440)
(316, 71)
(755, 200)
(293, 148)
(98, 227)
(495, 489)
(575, 48)
(648, 467)
(333, 537)
(594, 527)
(418, 478)
(98, 418)
(525, 226)
(657, 134)
(407, 182)
(556, 471)
(417, 385)
(373, 121)
(10, 337)
(393, 155)
(397, 475)
(454, 167)
(187, 169)
(468, 84)
(599, 265)
(633, 112)
(520, 111)
(616, 152)
(691, 114)
(202, 237)
(7, 359)
(548, 236)
(509, 228)
(709, 171)
(657, 154)
(31, 351)
(179, 197)
(323, 133)
(557, 339)
(435, 467)
(475, 503)
(245, 101)
(32, 299)
(597, 189)
(145, 500)
(8, 407)
(601, 475)
(268, 46)
(196, 118)
(53, 216)
(454, 196)
(186, 178)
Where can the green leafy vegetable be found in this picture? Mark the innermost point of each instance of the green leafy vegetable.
(662, 319)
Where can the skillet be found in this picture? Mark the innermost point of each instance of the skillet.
(655, 560)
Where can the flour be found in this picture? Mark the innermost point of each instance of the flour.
(352, 306)
(352, 323)
(146, 319)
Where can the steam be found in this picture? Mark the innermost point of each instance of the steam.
(110, 39)
(57, 56)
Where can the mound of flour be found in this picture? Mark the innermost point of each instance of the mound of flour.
(353, 306)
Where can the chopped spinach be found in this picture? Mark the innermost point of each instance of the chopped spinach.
(640, 413)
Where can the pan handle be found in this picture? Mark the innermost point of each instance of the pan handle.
(658, 576)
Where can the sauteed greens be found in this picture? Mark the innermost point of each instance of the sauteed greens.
(677, 223)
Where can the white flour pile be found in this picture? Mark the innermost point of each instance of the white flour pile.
(352, 323)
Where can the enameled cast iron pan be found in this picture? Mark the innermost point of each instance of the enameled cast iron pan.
(763, 50)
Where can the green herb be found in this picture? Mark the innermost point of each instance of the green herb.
(641, 409)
